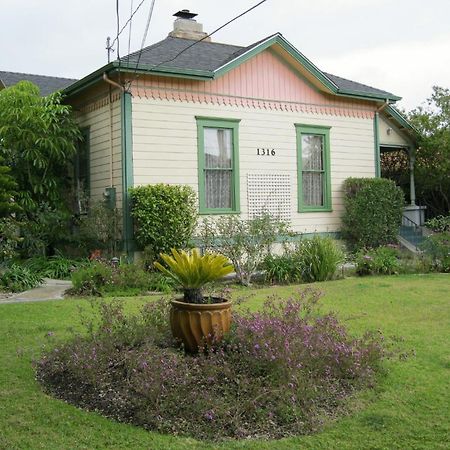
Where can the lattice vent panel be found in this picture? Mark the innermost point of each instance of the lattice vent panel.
(269, 193)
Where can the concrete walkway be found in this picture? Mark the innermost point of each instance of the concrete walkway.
(49, 290)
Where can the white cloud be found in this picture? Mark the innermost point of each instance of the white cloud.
(407, 69)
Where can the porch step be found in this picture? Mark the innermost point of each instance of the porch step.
(411, 237)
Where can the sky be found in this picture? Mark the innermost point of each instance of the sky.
(402, 46)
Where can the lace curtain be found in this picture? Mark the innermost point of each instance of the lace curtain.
(218, 167)
(312, 170)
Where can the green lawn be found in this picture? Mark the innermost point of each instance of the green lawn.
(409, 409)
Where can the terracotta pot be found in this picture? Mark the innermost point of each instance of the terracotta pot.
(195, 324)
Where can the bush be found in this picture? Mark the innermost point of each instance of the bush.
(285, 268)
(381, 261)
(100, 230)
(437, 246)
(319, 258)
(56, 266)
(18, 278)
(280, 372)
(165, 217)
(314, 259)
(100, 279)
(439, 224)
(244, 242)
(373, 212)
(9, 239)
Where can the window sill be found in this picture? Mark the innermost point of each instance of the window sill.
(211, 212)
(308, 210)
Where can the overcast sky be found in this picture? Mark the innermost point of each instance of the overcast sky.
(402, 46)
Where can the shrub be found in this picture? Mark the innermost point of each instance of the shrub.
(285, 268)
(9, 239)
(381, 261)
(244, 242)
(439, 224)
(17, 278)
(314, 259)
(437, 246)
(56, 266)
(373, 212)
(165, 217)
(100, 279)
(319, 258)
(100, 229)
(281, 371)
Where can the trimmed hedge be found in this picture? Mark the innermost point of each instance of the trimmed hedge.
(373, 212)
(165, 217)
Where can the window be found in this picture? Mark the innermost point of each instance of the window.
(82, 176)
(218, 165)
(313, 159)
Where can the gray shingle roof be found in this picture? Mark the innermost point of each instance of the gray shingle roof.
(209, 56)
(46, 84)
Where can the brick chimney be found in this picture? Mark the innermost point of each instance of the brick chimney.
(186, 27)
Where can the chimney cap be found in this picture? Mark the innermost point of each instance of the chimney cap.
(185, 14)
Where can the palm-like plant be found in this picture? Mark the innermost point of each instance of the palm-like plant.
(192, 271)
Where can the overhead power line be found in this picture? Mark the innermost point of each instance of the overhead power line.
(195, 42)
(127, 22)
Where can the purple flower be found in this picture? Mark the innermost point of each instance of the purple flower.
(209, 415)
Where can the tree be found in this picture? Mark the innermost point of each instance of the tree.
(432, 169)
(37, 140)
(8, 188)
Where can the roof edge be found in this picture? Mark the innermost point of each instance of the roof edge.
(402, 120)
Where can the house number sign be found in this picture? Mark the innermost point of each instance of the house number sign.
(265, 152)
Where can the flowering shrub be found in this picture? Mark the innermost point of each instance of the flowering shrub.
(380, 261)
(281, 371)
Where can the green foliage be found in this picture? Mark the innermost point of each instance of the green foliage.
(56, 266)
(373, 212)
(380, 261)
(8, 188)
(244, 242)
(192, 271)
(44, 229)
(165, 217)
(101, 279)
(432, 165)
(9, 239)
(37, 139)
(17, 278)
(285, 268)
(437, 246)
(100, 229)
(439, 224)
(319, 258)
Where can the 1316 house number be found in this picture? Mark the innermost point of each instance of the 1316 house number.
(265, 152)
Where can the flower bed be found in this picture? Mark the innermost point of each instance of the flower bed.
(281, 371)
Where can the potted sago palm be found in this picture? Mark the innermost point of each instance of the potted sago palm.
(195, 319)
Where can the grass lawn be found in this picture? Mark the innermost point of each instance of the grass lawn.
(409, 409)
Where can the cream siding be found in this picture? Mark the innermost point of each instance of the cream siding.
(165, 149)
(394, 136)
(98, 122)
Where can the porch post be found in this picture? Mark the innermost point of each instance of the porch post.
(412, 186)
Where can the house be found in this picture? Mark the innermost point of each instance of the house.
(47, 85)
(248, 128)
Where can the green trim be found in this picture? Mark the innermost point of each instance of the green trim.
(276, 39)
(127, 171)
(376, 140)
(214, 122)
(320, 131)
(398, 116)
(306, 63)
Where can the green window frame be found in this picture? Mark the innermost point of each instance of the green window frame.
(218, 123)
(324, 132)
